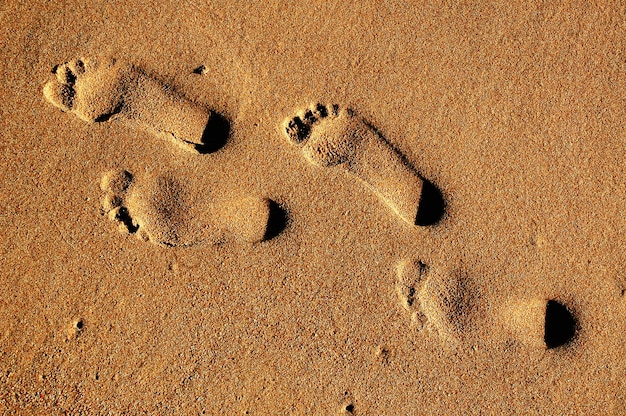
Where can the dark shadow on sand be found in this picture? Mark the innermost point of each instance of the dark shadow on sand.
(276, 222)
(215, 135)
(432, 205)
(560, 325)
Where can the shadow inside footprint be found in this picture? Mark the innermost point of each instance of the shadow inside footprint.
(560, 325)
(215, 134)
(124, 217)
(276, 222)
(107, 116)
(431, 206)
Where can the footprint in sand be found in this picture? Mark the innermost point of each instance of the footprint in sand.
(445, 303)
(107, 89)
(409, 284)
(162, 210)
(539, 323)
(330, 136)
(450, 305)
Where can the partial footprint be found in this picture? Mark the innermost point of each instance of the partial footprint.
(106, 89)
(410, 282)
(164, 211)
(539, 323)
(330, 137)
(444, 302)
(449, 304)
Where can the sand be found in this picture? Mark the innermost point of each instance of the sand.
(312, 208)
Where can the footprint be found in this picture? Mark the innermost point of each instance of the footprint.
(163, 211)
(330, 136)
(107, 89)
(539, 323)
(410, 281)
(443, 302)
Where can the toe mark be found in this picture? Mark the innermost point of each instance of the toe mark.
(297, 130)
(80, 66)
(70, 76)
(124, 217)
(410, 299)
(432, 205)
(116, 182)
(321, 110)
(309, 118)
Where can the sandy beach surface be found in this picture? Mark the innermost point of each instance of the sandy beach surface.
(312, 208)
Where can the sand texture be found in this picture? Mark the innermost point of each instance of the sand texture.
(318, 208)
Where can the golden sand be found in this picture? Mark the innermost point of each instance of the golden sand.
(443, 234)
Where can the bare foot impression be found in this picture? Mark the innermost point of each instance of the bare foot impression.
(107, 89)
(438, 301)
(411, 276)
(330, 136)
(449, 304)
(162, 210)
